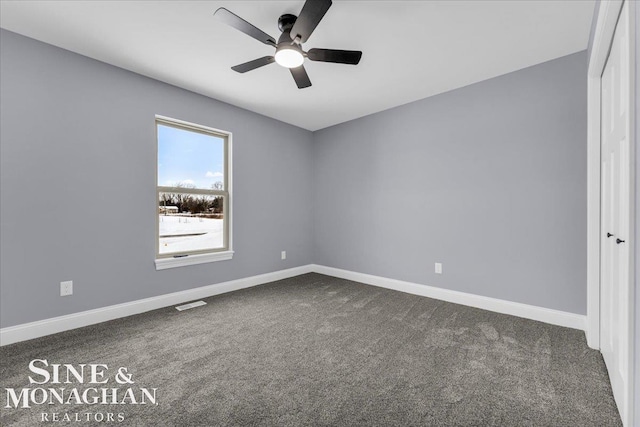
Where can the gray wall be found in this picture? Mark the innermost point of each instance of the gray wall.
(77, 148)
(489, 179)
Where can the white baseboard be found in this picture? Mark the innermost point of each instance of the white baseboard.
(554, 317)
(54, 325)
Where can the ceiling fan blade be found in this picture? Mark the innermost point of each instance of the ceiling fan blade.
(332, 55)
(238, 23)
(252, 65)
(309, 18)
(301, 77)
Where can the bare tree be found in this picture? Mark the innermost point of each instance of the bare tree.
(181, 199)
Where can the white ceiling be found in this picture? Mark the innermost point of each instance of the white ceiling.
(411, 49)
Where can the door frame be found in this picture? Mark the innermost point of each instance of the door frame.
(607, 19)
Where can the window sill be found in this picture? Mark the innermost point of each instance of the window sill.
(164, 263)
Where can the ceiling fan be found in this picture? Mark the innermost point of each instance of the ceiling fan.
(295, 31)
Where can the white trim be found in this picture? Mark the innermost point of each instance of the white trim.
(593, 214)
(633, 416)
(208, 129)
(229, 187)
(45, 327)
(181, 261)
(54, 325)
(554, 317)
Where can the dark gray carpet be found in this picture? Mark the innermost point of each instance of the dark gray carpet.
(316, 350)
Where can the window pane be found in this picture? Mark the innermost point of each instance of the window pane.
(190, 222)
(189, 159)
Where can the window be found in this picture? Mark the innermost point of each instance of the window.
(193, 194)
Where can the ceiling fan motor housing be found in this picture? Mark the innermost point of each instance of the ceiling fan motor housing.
(285, 48)
(286, 21)
(285, 39)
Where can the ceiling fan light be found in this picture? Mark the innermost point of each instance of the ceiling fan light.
(289, 57)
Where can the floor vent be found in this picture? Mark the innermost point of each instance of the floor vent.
(190, 305)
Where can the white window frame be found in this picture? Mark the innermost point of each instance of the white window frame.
(173, 260)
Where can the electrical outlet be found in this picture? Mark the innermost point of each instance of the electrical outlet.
(283, 254)
(66, 288)
(438, 268)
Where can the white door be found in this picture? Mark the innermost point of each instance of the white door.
(614, 245)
